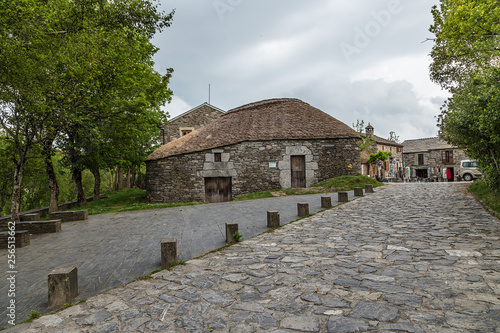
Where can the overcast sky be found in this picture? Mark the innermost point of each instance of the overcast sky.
(353, 59)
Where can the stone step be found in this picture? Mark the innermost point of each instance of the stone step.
(22, 238)
(40, 227)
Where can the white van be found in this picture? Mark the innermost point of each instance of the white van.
(468, 170)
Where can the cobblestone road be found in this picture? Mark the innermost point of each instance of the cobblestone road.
(110, 250)
(409, 258)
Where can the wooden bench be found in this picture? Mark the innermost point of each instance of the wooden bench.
(22, 238)
(40, 227)
(68, 216)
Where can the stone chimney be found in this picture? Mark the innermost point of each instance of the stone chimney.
(369, 130)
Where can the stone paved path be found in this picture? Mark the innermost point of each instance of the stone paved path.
(110, 250)
(409, 258)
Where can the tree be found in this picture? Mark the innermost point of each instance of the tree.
(467, 35)
(56, 40)
(393, 137)
(466, 61)
(378, 158)
(366, 141)
(472, 120)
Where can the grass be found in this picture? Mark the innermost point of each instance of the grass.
(345, 183)
(126, 200)
(150, 275)
(33, 315)
(135, 199)
(486, 195)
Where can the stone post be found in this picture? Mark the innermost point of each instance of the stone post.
(358, 191)
(231, 230)
(63, 286)
(273, 219)
(368, 188)
(302, 209)
(326, 202)
(343, 197)
(168, 251)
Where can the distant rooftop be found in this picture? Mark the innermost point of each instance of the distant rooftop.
(423, 145)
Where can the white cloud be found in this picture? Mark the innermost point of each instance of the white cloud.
(176, 107)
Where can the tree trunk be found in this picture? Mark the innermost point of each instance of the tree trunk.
(77, 178)
(16, 191)
(120, 178)
(53, 186)
(132, 182)
(115, 179)
(127, 184)
(97, 183)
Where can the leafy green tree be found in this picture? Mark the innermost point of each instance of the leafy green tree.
(379, 156)
(467, 40)
(61, 62)
(466, 61)
(472, 120)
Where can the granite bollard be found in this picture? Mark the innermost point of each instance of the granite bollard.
(326, 202)
(231, 231)
(358, 191)
(343, 197)
(273, 219)
(368, 188)
(168, 251)
(302, 209)
(63, 286)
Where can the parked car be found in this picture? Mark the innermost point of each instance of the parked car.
(468, 170)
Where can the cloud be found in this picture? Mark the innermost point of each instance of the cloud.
(254, 50)
(388, 106)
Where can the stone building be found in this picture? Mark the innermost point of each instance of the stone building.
(428, 158)
(189, 121)
(390, 169)
(272, 144)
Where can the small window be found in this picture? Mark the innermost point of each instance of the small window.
(185, 132)
(399, 149)
(217, 157)
(420, 159)
(447, 156)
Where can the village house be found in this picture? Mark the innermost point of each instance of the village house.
(431, 158)
(392, 168)
(271, 144)
(189, 121)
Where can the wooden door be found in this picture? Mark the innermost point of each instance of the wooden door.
(298, 165)
(218, 189)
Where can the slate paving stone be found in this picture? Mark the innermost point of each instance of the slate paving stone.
(347, 325)
(392, 261)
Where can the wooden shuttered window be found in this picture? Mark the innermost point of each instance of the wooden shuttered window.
(447, 156)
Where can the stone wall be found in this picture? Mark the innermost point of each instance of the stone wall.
(433, 161)
(254, 166)
(198, 117)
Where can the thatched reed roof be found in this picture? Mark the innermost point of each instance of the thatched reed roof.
(274, 119)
